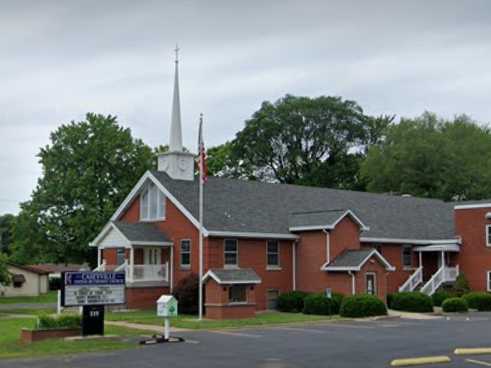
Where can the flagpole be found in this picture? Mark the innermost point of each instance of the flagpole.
(200, 298)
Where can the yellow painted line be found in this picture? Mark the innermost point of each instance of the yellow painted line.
(472, 351)
(420, 361)
(478, 362)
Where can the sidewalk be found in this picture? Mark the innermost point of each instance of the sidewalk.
(411, 315)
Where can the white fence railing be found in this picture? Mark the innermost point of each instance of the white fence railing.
(444, 274)
(150, 272)
(413, 281)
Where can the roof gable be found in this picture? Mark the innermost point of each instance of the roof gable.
(319, 220)
(354, 260)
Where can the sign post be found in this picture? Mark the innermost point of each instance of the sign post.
(92, 291)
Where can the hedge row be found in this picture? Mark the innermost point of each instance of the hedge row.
(413, 301)
(362, 305)
(455, 305)
(67, 321)
(478, 300)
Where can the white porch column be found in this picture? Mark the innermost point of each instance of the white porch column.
(442, 254)
(353, 282)
(99, 257)
(420, 259)
(171, 271)
(131, 264)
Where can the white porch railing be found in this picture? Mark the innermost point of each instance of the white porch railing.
(101, 267)
(413, 281)
(147, 272)
(444, 274)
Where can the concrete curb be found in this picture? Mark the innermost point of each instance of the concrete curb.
(472, 351)
(420, 361)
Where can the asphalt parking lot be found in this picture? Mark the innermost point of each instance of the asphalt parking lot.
(336, 344)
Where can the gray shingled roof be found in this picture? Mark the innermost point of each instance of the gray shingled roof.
(141, 232)
(315, 218)
(234, 276)
(250, 206)
(350, 258)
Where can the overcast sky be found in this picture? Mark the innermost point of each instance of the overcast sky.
(61, 59)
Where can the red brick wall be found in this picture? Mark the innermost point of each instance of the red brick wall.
(110, 256)
(474, 258)
(312, 254)
(144, 297)
(217, 303)
(252, 254)
(177, 227)
(393, 254)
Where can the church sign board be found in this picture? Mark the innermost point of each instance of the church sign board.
(92, 288)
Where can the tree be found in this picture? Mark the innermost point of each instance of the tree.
(6, 225)
(88, 169)
(4, 274)
(314, 141)
(432, 157)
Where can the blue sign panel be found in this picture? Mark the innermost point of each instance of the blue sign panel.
(93, 288)
(94, 278)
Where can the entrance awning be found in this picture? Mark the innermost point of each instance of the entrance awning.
(438, 248)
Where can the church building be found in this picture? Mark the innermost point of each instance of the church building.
(262, 240)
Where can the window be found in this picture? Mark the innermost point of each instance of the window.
(371, 283)
(152, 256)
(237, 294)
(488, 280)
(488, 235)
(231, 251)
(120, 255)
(185, 253)
(273, 253)
(272, 298)
(152, 203)
(407, 256)
(18, 280)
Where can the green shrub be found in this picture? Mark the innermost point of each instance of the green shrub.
(337, 300)
(186, 293)
(389, 298)
(461, 286)
(452, 305)
(412, 301)
(362, 305)
(478, 300)
(291, 302)
(67, 321)
(318, 304)
(439, 297)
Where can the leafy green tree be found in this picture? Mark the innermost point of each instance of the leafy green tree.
(88, 169)
(432, 157)
(4, 274)
(6, 226)
(315, 141)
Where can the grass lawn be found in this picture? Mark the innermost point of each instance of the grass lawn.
(49, 297)
(191, 322)
(10, 346)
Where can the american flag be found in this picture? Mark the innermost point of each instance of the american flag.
(203, 169)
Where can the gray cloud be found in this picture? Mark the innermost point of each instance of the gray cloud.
(59, 60)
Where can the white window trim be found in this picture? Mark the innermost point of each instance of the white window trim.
(488, 286)
(246, 301)
(374, 282)
(488, 227)
(236, 265)
(161, 198)
(276, 266)
(184, 266)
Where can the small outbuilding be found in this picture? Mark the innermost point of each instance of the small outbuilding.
(230, 293)
(25, 281)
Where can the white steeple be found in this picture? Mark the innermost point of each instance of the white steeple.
(175, 143)
(176, 163)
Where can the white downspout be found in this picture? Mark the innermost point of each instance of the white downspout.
(328, 246)
(353, 282)
(99, 256)
(132, 263)
(171, 271)
(294, 265)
